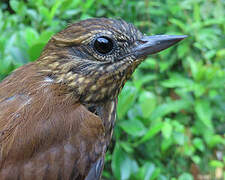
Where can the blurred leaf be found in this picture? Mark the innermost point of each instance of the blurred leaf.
(122, 165)
(196, 159)
(178, 23)
(149, 169)
(204, 112)
(147, 102)
(127, 147)
(151, 132)
(188, 150)
(215, 140)
(35, 51)
(146, 171)
(167, 130)
(133, 127)
(185, 176)
(193, 66)
(31, 36)
(45, 36)
(126, 99)
(179, 138)
(149, 63)
(117, 160)
(182, 49)
(166, 144)
(216, 163)
(44, 11)
(54, 8)
(177, 81)
(220, 54)
(14, 5)
(199, 144)
(18, 55)
(167, 108)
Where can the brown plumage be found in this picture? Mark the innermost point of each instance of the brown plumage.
(57, 114)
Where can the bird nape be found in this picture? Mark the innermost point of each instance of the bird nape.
(57, 114)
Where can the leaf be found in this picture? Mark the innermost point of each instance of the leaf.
(204, 112)
(193, 66)
(147, 101)
(6, 66)
(133, 127)
(143, 80)
(216, 139)
(188, 150)
(31, 36)
(35, 51)
(45, 36)
(166, 143)
(127, 147)
(125, 168)
(179, 138)
(199, 144)
(18, 55)
(122, 164)
(44, 11)
(220, 54)
(150, 133)
(146, 172)
(166, 108)
(196, 14)
(14, 5)
(185, 176)
(179, 23)
(117, 159)
(150, 168)
(126, 99)
(149, 63)
(177, 80)
(71, 13)
(56, 5)
(87, 5)
(183, 49)
(199, 89)
(196, 159)
(216, 163)
(167, 130)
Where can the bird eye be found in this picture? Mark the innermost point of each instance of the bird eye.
(103, 45)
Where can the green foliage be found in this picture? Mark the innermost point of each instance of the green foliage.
(171, 114)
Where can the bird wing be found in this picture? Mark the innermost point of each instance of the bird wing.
(45, 135)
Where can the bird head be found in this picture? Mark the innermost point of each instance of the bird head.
(94, 58)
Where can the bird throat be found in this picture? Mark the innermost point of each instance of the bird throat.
(99, 84)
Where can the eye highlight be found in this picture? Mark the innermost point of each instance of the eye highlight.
(103, 45)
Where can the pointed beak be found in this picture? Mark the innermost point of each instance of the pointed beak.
(153, 44)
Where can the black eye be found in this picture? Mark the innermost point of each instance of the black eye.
(103, 45)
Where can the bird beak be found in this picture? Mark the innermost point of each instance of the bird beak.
(153, 44)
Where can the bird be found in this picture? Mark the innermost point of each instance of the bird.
(57, 113)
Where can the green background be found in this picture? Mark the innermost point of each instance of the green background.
(171, 114)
